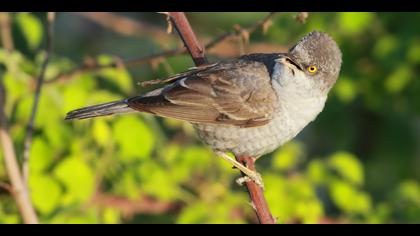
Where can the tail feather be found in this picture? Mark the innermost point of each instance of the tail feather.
(99, 110)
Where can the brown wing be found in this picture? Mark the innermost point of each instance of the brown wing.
(236, 92)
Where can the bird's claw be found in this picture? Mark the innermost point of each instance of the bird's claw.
(256, 177)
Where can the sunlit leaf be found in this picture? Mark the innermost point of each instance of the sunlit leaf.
(101, 132)
(317, 171)
(354, 22)
(398, 79)
(342, 193)
(135, 139)
(288, 156)
(118, 75)
(413, 53)
(310, 211)
(111, 216)
(152, 175)
(345, 89)
(31, 28)
(348, 166)
(45, 193)
(41, 155)
(77, 178)
(195, 213)
(410, 191)
(385, 46)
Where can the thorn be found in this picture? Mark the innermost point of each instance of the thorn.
(252, 205)
(170, 27)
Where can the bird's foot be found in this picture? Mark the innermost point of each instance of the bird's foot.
(256, 177)
(249, 174)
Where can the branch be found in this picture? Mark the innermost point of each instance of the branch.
(187, 35)
(256, 192)
(6, 31)
(234, 35)
(20, 190)
(40, 82)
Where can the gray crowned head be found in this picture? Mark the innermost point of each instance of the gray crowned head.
(319, 57)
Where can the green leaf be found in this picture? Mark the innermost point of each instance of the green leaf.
(193, 214)
(288, 156)
(45, 193)
(310, 211)
(348, 166)
(355, 22)
(385, 46)
(128, 185)
(413, 53)
(317, 172)
(153, 175)
(193, 160)
(31, 28)
(101, 132)
(345, 89)
(134, 138)
(118, 75)
(399, 79)
(409, 191)
(41, 154)
(77, 178)
(111, 216)
(349, 199)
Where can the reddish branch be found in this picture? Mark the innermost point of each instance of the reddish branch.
(197, 53)
(187, 35)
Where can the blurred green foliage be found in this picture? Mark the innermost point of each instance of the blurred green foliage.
(357, 163)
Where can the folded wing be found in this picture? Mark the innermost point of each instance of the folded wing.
(236, 92)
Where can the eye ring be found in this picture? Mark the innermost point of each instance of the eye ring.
(312, 69)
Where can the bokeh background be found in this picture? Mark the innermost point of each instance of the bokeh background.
(358, 162)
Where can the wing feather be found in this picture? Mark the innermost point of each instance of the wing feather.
(236, 92)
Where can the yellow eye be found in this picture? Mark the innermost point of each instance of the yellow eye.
(312, 69)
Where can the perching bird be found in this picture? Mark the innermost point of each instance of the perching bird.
(248, 105)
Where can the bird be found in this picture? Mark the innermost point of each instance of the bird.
(248, 105)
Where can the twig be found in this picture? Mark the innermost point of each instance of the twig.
(256, 192)
(5, 31)
(40, 82)
(187, 35)
(20, 190)
(159, 56)
(6, 187)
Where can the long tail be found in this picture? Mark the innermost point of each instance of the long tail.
(99, 110)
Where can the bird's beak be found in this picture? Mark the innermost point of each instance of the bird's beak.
(287, 60)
